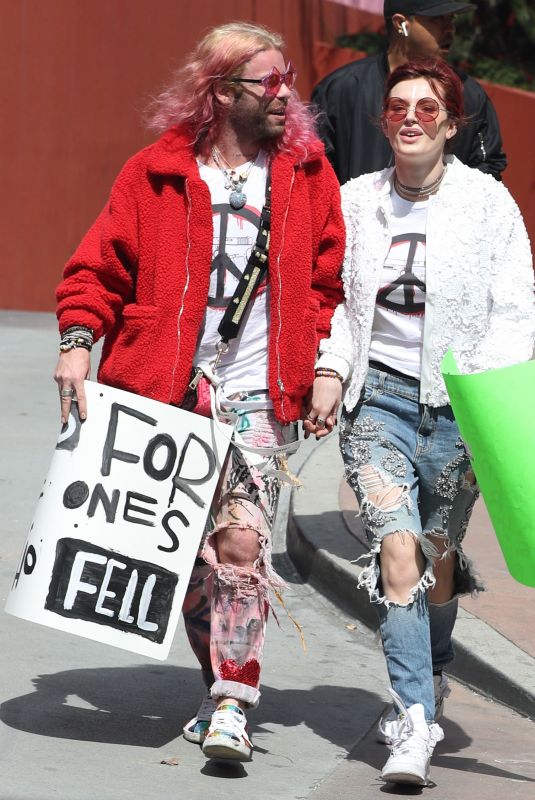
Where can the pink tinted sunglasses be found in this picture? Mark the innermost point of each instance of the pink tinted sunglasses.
(426, 109)
(273, 81)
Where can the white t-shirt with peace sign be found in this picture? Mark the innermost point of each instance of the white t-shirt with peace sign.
(244, 367)
(398, 323)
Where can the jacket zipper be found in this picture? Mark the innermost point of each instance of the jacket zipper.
(280, 382)
(186, 286)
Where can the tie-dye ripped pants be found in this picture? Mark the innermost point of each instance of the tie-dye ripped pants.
(227, 604)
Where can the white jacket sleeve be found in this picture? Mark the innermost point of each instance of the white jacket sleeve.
(512, 311)
(336, 352)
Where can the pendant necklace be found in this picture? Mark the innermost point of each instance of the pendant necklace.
(234, 181)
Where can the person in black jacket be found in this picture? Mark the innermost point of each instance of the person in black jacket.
(350, 97)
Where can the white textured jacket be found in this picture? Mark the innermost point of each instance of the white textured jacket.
(479, 279)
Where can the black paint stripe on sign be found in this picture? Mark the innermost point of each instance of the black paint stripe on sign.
(110, 589)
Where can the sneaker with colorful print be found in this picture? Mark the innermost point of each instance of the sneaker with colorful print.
(227, 735)
(196, 729)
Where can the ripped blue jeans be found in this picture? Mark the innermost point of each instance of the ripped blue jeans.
(410, 472)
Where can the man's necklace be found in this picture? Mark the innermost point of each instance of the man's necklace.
(234, 180)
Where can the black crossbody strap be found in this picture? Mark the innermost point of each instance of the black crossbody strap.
(252, 276)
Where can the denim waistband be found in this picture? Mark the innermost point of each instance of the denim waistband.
(394, 384)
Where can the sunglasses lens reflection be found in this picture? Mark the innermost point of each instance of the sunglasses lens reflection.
(396, 110)
(290, 77)
(274, 80)
(426, 110)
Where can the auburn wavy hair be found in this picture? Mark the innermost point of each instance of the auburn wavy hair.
(190, 101)
(443, 80)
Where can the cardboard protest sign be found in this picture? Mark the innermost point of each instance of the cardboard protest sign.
(119, 521)
(496, 417)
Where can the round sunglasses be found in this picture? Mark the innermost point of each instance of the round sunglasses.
(273, 81)
(426, 109)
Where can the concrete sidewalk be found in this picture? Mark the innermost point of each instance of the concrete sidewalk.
(495, 634)
(79, 719)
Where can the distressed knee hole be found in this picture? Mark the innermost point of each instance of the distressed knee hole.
(442, 543)
(402, 536)
(370, 577)
(403, 559)
(239, 545)
(255, 577)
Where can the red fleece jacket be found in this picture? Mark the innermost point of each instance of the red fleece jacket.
(141, 274)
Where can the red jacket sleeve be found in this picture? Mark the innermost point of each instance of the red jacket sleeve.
(326, 277)
(99, 278)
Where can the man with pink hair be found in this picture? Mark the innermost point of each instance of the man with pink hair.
(237, 180)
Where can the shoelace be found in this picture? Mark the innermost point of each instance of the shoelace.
(404, 728)
(229, 722)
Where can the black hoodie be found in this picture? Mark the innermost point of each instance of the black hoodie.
(351, 98)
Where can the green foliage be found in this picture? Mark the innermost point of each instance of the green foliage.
(525, 16)
(367, 41)
(496, 43)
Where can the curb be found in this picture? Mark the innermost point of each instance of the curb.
(321, 548)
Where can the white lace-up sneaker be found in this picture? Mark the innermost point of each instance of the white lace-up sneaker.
(196, 729)
(413, 742)
(442, 690)
(227, 735)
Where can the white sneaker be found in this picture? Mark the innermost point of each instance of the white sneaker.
(196, 729)
(413, 742)
(227, 735)
(442, 690)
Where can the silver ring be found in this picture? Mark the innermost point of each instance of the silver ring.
(320, 422)
(311, 418)
(67, 392)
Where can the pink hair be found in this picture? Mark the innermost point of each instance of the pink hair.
(190, 102)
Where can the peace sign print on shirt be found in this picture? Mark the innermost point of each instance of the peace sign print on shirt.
(404, 292)
(233, 242)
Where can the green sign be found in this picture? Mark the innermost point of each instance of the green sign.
(495, 411)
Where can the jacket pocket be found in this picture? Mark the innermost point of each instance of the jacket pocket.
(139, 323)
(131, 356)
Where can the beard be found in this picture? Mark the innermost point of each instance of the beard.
(253, 120)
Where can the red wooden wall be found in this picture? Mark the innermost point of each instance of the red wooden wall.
(75, 77)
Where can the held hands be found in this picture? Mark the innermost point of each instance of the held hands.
(322, 406)
(73, 367)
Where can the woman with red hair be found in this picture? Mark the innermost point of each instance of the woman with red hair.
(437, 257)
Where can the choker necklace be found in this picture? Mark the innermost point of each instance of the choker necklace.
(417, 192)
(234, 181)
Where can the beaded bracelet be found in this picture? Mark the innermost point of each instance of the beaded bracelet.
(324, 372)
(72, 344)
(76, 336)
(78, 329)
